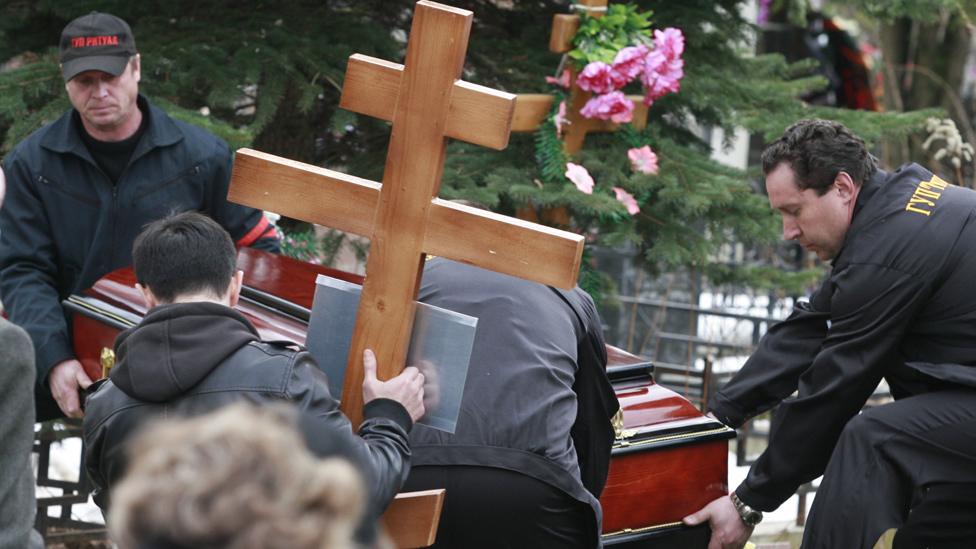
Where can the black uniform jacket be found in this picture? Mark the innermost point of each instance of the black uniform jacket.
(188, 359)
(899, 304)
(537, 399)
(64, 223)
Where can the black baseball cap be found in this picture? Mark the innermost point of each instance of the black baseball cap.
(96, 42)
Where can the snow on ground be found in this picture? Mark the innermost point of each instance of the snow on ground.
(65, 458)
(65, 461)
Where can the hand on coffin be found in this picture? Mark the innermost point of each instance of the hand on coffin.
(66, 379)
(728, 530)
(406, 388)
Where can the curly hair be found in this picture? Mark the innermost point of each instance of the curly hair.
(817, 150)
(238, 478)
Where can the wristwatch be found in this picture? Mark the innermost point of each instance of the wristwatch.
(749, 516)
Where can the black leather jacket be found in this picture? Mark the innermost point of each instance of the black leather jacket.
(187, 359)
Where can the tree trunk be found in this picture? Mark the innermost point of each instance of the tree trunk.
(923, 68)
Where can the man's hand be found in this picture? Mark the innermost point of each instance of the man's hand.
(728, 530)
(406, 388)
(432, 389)
(66, 379)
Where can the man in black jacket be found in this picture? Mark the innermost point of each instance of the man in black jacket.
(193, 353)
(82, 187)
(898, 305)
(530, 454)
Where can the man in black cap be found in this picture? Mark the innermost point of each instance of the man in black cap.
(81, 188)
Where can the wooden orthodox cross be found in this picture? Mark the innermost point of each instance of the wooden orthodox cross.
(532, 108)
(426, 102)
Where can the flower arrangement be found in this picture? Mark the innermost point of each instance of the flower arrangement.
(660, 70)
(612, 53)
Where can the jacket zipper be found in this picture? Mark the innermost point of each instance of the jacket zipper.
(115, 216)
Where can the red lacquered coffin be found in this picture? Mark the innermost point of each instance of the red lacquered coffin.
(668, 459)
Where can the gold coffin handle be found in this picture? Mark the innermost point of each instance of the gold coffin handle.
(108, 361)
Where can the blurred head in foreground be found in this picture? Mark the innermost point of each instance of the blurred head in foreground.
(240, 478)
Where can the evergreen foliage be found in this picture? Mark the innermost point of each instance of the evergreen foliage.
(694, 207)
(924, 10)
(268, 75)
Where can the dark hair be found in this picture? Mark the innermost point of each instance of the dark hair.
(184, 253)
(817, 150)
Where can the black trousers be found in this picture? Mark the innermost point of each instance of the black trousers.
(894, 466)
(486, 507)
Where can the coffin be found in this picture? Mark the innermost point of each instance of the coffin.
(668, 459)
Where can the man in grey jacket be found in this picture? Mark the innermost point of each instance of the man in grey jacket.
(17, 434)
(16, 431)
(530, 455)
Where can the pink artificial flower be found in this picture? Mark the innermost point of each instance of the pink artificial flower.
(643, 160)
(560, 119)
(664, 67)
(597, 77)
(763, 16)
(671, 41)
(627, 200)
(562, 81)
(580, 177)
(613, 106)
(628, 63)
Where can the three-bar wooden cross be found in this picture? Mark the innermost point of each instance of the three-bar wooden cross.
(426, 102)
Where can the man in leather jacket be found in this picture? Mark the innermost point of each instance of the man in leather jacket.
(898, 305)
(193, 353)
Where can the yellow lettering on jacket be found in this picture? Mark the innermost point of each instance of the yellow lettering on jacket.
(924, 198)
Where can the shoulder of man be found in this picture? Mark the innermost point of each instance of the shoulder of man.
(30, 147)
(280, 347)
(195, 135)
(14, 339)
(272, 361)
(16, 351)
(103, 401)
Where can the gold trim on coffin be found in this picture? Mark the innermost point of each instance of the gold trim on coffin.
(643, 530)
(80, 302)
(620, 443)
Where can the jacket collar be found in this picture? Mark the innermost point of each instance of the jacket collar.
(868, 190)
(859, 218)
(64, 135)
(175, 347)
